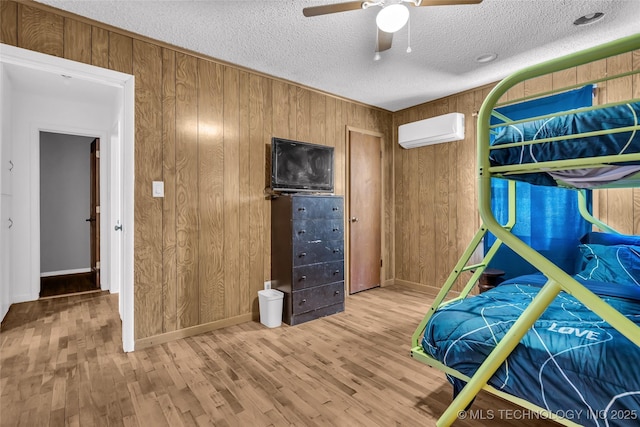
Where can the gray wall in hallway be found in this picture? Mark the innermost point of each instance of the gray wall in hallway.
(65, 198)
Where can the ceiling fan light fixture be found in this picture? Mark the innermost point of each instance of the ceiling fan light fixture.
(392, 18)
(588, 19)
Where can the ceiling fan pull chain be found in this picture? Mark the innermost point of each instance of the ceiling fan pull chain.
(376, 56)
(409, 35)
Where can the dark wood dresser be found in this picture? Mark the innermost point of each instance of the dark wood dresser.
(307, 255)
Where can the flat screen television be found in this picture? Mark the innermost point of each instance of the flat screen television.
(301, 166)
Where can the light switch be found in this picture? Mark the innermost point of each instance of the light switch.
(158, 189)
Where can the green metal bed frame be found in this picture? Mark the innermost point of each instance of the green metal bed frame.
(557, 280)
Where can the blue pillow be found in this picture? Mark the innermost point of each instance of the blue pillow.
(618, 264)
(609, 239)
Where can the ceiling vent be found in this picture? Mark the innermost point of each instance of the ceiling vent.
(434, 130)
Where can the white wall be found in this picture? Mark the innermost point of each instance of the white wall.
(33, 113)
(5, 186)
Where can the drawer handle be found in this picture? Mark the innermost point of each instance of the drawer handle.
(336, 229)
(302, 231)
(336, 293)
(335, 251)
(303, 254)
(336, 272)
(302, 209)
(303, 278)
(335, 208)
(304, 300)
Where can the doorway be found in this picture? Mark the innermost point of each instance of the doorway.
(69, 214)
(365, 210)
(93, 101)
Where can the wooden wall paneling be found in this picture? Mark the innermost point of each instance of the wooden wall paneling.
(317, 119)
(268, 132)
(427, 209)
(187, 208)
(538, 85)
(244, 204)
(211, 191)
(77, 41)
(169, 270)
(120, 52)
(466, 207)
(401, 191)
(515, 92)
(455, 193)
(340, 138)
(389, 202)
(257, 204)
(231, 191)
(564, 78)
(99, 47)
(371, 120)
(413, 204)
(40, 30)
(443, 202)
(357, 116)
(292, 110)
(303, 115)
(442, 212)
(329, 129)
(9, 23)
(403, 208)
(620, 201)
(283, 111)
(148, 210)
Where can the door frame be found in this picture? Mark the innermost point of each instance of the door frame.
(347, 207)
(120, 174)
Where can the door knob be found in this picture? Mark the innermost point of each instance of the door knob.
(354, 219)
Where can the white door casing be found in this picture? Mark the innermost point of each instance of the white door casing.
(105, 111)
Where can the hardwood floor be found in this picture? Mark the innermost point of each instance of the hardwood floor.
(67, 284)
(62, 364)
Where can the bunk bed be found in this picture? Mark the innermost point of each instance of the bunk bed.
(563, 345)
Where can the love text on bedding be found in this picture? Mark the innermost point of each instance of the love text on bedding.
(569, 330)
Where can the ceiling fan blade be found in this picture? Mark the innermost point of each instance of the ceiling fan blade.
(447, 2)
(332, 8)
(384, 40)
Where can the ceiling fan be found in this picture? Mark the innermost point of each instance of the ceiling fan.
(392, 16)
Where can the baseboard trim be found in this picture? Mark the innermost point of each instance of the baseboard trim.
(429, 290)
(191, 331)
(65, 272)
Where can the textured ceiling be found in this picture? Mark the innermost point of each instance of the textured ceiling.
(335, 53)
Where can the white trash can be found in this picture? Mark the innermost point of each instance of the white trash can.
(270, 302)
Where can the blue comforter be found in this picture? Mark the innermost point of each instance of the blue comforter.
(571, 360)
(570, 124)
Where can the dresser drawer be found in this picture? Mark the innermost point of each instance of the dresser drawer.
(298, 318)
(317, 274)
(308, 230)
(313, 207)
(316, 297)
(315, 252)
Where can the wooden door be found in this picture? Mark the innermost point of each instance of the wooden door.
(365, 204)
(94, 212)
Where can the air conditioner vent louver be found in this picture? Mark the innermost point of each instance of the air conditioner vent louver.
(434, 130)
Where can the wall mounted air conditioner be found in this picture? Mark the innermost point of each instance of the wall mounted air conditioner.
(434, 130)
